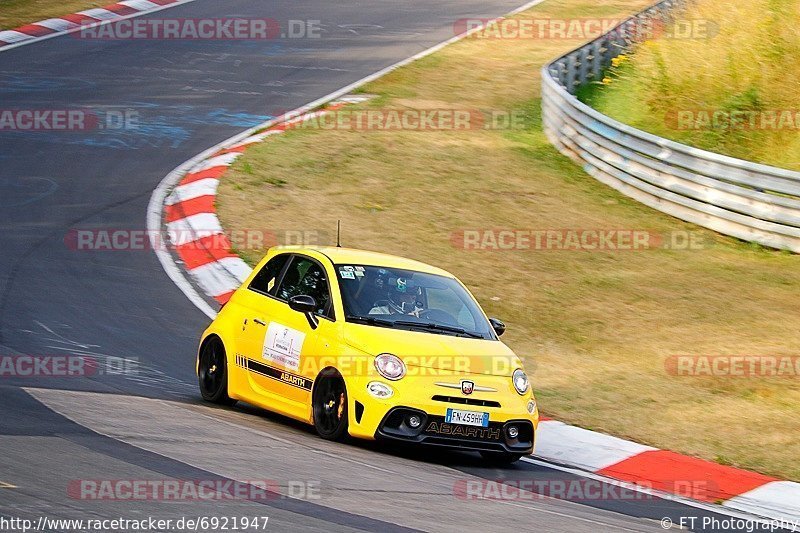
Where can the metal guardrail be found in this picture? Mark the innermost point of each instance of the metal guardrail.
(750, 201)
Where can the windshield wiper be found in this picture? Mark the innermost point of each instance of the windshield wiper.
(371, 320)
(382, 322)
(439, 327)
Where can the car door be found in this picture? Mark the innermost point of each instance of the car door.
(256, 304)
(283, 346)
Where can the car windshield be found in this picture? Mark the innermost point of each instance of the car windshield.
(406, 299)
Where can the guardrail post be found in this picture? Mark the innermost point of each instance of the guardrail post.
(597, 59)
(583, 66)
(572, 72)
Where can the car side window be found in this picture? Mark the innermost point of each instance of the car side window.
(307, 277)
(265, 281)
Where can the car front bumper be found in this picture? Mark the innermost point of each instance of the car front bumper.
(434, 430)
(425, 397)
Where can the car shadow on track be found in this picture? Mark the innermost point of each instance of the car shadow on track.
(419, 453)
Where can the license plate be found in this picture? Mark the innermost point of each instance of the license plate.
(468, 418)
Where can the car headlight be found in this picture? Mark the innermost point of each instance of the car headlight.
(390, 366)
(520, 380)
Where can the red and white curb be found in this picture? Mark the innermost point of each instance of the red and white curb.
(668, 472)
(45, 29)
(183, 207)
(190, 219)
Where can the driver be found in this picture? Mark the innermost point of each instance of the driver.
(402, 299)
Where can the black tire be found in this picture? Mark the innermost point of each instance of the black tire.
(329, 403)
(501, 458)
(212, 373)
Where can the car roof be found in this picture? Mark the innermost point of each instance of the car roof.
(352, 256)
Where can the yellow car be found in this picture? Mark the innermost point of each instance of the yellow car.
(372, 346)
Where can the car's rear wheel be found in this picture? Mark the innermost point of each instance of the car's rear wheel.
(329, 403)
(212, 372)
(501, 458)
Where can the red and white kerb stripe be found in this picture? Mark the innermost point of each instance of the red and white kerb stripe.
(192, 224)
(48, 27)
(667, 471)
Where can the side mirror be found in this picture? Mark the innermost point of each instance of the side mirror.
(305, 304)
(302, 303)
(498, 325)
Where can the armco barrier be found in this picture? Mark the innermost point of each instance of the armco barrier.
(746, 200)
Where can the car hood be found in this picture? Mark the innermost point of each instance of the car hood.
(462, 355)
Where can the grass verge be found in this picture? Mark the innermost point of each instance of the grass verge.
(732, 92)
(16, 13)
(596, 328)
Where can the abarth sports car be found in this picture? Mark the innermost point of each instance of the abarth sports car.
(371, 346)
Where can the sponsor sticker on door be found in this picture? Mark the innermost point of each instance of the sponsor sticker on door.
(282, 346)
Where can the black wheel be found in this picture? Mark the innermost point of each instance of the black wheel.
(501, 458)
(212, 373)
(330, 407)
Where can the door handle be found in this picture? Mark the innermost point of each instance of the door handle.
(259, 322)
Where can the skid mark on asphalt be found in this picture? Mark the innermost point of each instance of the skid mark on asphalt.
(27, 82)
(61, 339)
(303, 67)
(23, 191)
(144, 375)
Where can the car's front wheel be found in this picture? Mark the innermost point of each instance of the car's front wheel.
(212, 372)
(329, 403)
(501, 458)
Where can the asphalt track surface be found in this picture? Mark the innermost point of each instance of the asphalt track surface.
(149, 424)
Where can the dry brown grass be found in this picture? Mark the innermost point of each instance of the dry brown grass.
(16, 13)
(594, 327)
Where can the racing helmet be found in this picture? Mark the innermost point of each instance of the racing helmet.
(404, 295)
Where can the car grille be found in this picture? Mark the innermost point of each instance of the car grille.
(465, 401)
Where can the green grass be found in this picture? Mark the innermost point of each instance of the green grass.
(748, 66)
(595, 328)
